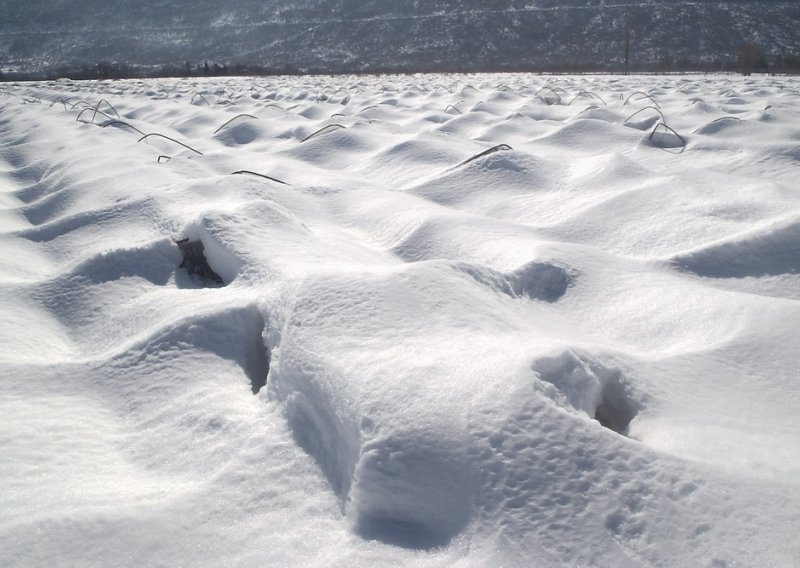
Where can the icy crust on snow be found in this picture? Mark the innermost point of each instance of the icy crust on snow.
(463, 320)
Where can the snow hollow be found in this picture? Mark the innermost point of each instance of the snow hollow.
(435, 320)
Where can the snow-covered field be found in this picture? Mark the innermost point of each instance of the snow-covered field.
(581, 348)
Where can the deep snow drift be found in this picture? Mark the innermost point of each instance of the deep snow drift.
(446, 320)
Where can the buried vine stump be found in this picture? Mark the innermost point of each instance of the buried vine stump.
(194, 261)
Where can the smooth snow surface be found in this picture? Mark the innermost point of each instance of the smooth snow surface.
(463, 321)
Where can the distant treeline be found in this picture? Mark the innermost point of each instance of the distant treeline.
(750, 61)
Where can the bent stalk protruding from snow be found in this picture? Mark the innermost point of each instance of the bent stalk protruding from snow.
(95, 112)
(275, 105)
(191, 101)
(555, 99)
(720, 119)
(641, 94)
(108, 105)
(120, 122)
(61, 100)
(661, 114)
(585, 93)
(668, 130)
(250, 173)
(323, 130)
(146, 136)
(508, 89)
(243, 115)
(492, 150)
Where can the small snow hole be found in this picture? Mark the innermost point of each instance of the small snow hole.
(615, 409)
(259, 371)
(591, 387)
(540, 281)
(195, 262)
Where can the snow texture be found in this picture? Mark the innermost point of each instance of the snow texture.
(577, 349)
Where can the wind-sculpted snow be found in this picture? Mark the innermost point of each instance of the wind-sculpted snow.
(766, 252)
(422, 320)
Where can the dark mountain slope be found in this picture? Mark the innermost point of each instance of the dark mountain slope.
(400, 34)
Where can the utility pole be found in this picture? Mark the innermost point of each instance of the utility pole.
(627, 44)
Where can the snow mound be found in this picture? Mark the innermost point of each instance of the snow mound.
(241, 133)
(765, 252)
(412, 489)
